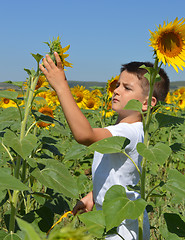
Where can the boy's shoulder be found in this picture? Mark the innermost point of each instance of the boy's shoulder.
(126, 129)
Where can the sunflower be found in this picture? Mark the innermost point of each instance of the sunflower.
(168, 42)
(42, 82)
(92, 102)
(80, 94)
(52, 99)
(6, 102)
(46, 110)
(108, 112)
(111, 85)
(55, 46)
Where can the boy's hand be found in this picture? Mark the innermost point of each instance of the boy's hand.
(54, 73)
(86, 204)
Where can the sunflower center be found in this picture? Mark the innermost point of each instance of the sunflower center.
(170, 44)
(6, 100)
(79, 97)
(90, 103)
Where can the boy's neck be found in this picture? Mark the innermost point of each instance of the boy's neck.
(129, 119)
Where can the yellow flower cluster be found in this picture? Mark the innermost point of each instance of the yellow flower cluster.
(86, 99)
(177, 97)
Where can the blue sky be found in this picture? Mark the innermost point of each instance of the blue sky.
(103, 34)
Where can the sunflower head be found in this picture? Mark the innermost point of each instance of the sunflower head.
(42, 82)
(111, 85)
(80, 94)
(55, 46)
(168, 42)
(48, 112)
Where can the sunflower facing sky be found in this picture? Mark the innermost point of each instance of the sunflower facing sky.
(168, 42)
(55, 46)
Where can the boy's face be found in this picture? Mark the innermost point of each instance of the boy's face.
(128, 87)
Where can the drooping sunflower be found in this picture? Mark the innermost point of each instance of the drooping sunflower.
(46, 110)
(111, 85)
(168, 42)
(42, 82)
(80, 94)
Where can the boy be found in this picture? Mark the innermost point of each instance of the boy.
(110, 169)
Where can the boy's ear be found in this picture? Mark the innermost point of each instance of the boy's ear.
(145, 104)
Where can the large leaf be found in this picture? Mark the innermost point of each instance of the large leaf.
(9, 94)
(56, 176)
(134, 105)
(10, 113)
(10, 182)
(76, 151)
(95, 222)
(165, 120)
(24, 147)
(117, 207)
(176, 183)
(110, 145)
(28, 229)
(158, 153)
(175, 224)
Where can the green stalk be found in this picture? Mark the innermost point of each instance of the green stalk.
(14, 201)
(146, 142)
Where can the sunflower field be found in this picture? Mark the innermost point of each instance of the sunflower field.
(44, 172)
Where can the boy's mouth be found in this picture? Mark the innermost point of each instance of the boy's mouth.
(115, 100)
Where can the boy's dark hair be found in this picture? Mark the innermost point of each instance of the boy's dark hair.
(161, 87)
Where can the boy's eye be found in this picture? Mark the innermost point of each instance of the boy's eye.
(127, 88)
(117, 85)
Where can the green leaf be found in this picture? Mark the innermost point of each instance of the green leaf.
(175, 224)
(176, 183)
(28, 229)
(134, 105)
(165, 120)
(158, 153)
(117, 207)
(110, 145)
(167, 235)
(10, 182)
(18, 84)
(57, 177)
(12, 236)
(75, 152)
(28, 144)
(24, 147)
(9, 94)
(37, 57)
(11, 140)
(94, 221)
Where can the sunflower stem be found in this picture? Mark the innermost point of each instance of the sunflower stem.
(14, 200)
(146, 140)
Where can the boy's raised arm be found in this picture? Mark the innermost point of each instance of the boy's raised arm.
(79, 125)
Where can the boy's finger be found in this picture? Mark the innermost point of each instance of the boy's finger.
(43, 69)
(58, 60)
(50, 61)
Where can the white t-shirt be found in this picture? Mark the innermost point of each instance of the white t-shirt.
(118, 169)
